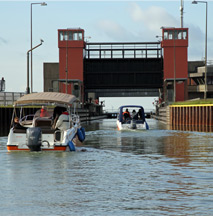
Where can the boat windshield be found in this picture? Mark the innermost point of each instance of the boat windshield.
(131, 112)
(44, 113)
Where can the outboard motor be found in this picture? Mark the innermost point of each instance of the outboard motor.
(133, 124)
(34, 138)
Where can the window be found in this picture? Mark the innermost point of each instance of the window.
(75, 36)
(175, 34)
(184, 35)
(80, 36)
(180, 35)
(61, 35)
(65, 36)
(165, 35)
(170, 35)
(69, 35)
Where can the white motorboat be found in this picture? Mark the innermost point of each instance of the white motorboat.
(131, 117)
(35, 131)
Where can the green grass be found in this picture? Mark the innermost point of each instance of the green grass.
(194, 102)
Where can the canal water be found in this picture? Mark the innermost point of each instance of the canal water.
(154, 172)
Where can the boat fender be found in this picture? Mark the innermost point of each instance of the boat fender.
(81, 134)
(147, 126)
(71, 146)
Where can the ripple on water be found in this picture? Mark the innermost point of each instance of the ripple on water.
(155, 172)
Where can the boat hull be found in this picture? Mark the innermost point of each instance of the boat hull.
(18, 141)
(12, 148)
(130, 126)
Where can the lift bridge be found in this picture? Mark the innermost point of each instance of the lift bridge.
(123, 69)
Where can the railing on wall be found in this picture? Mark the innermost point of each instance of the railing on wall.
(123, 50)
(8, 98)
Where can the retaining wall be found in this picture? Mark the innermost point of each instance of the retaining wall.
(187, 117)
(163, 115)
(191, 115)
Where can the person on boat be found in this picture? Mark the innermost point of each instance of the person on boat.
(56, 113)
(63, 121)
(96, 101)
(44, 112)
(126, 115)
(16, 124)
(134, 115)
(141, 114)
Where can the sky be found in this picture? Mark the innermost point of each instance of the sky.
(103, 21)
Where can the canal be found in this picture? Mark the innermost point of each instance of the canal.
(154, 172)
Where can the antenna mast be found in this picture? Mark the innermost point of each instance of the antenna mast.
(181, 14)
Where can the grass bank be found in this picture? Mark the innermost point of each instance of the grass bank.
(194, 102)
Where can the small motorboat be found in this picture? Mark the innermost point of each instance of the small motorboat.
(131, 117)
(36, 132)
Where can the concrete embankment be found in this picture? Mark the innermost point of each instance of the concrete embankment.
(162, 115)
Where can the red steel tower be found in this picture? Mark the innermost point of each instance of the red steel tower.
(175, 44)
(71, 53)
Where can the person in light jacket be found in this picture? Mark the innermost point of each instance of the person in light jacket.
(63, 121)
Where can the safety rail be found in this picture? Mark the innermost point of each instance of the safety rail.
(123, 50)
(8, 98)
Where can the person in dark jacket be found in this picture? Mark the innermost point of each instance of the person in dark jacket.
(16, 124)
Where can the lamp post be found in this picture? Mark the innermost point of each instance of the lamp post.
(157, 36)
(28, 88)
(31, 47)
(205, 91)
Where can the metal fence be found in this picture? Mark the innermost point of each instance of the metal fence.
(8, 98)
(123, 50)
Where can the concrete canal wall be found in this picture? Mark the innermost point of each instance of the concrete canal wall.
(163, 115)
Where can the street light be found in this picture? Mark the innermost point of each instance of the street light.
(31, 47)
(160, 40)
(28, 88)
(205, 91)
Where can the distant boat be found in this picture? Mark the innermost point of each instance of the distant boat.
(35, 132)
(131, 117)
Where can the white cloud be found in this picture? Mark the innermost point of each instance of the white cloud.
(146, 24)
(114, 31)
(153, 18)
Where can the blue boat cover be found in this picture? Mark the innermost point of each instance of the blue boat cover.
(122, 109)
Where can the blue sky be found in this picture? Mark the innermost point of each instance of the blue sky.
(103, 21)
